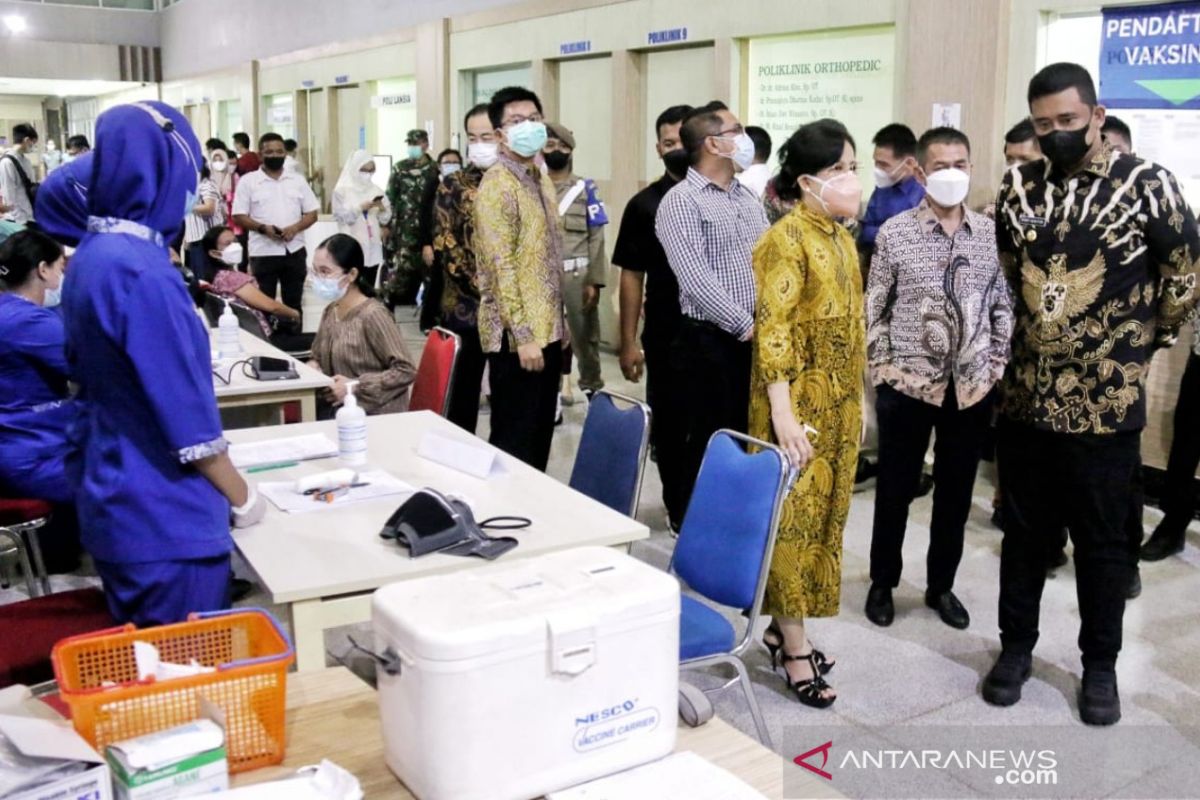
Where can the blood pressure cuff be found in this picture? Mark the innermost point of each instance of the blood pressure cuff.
(430, 522)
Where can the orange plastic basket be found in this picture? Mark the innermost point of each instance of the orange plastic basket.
(97, 676)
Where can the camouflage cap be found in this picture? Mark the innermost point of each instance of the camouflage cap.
(416, 136)
(556, 130)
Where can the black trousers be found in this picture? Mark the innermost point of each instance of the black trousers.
(1178, 500)
(904, 428)
(369, 275)
(468, 380)
(715, 380)
(523, 403)
(287, 272)
(1088, 484)
(668, 431)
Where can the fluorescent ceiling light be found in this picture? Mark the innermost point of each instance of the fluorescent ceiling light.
(15, 23)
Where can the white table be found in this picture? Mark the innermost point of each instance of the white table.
(243, 391)
(324, 565)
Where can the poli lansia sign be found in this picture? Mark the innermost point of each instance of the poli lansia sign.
(1150, 56)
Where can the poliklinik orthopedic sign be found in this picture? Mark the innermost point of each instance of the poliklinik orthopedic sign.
(1150, 56)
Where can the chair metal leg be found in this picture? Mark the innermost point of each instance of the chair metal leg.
(763, 735)
(39, 563)
(23, 555)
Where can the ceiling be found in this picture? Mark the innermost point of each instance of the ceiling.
(50, 87)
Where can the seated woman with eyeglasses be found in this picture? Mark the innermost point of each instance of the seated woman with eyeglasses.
(279, 322)
(359, 339)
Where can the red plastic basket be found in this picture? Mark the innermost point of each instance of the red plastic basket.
(97, 676)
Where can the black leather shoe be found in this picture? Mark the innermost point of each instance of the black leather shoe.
(1135, 585)
(880, 608)
(925, 485)
(1099, 703)
(949, 609)
(1002, 686)
(1162, 544)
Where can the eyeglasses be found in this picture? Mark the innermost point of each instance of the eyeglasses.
(518, 120)
(736, 130)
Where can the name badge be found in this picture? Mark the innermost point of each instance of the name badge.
(1039, 222)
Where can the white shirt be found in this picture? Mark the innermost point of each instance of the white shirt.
(290, 164)
(12, 188)
(755, 178)
(278, 201)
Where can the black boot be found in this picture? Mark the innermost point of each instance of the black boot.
(1166, 541)
(1099, 703)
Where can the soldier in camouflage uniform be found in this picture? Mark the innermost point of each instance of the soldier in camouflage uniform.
(404, 192)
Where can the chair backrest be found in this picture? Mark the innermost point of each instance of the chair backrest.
(434, 381)
(214, 306)
(612, 452)
(725, 542)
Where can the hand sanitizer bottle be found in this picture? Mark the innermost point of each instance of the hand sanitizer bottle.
(228, 344)
(352, 429)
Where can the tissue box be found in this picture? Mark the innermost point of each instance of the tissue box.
(182, 761)
(45, 740)
(528, 675)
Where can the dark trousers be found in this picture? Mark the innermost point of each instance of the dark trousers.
(370, 275)
(524, 403)
(468, 380)
(668, 431)
(1086, 483)
(195, 259)
(1178, 500)
(715, 380)
(287, 272)
(904, 428)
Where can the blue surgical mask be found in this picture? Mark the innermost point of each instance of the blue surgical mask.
(527, 138)
(415, 151)
(53, 297)
(450, 169)
(329, 290)
(743, 151)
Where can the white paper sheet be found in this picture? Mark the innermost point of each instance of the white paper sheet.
(380, 484)
(680, 776)
(279, 451)
(477, 460)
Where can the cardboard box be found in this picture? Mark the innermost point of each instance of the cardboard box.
(183, 761)
(56, 740)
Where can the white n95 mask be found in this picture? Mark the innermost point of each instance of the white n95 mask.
(232, 254)
(948, 187)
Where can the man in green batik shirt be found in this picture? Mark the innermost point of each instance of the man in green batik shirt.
(404, 192)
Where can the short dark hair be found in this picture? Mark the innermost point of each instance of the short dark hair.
(507, 95)
(812, 148)
(941, 135)
(672, 116)
(23, 131)
(347, 253)
(476, 110)
(214, 144)
(243, 139)
(209, 240)
(1116, 125)
(22, 252)
(762, 142)
(266, 137)
(290, 145)
(698, 125)
(1059, 78)
(1021, 132)
(898, 137)
(449, 151)
(79, 142)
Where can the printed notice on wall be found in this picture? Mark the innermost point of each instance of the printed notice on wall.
(844, 74)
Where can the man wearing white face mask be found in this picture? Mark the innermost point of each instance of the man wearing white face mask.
(939, 322)
(897, 188)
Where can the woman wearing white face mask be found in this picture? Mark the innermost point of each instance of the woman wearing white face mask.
(358, 339)
(208, 212)
(279, 322)
(806, 389)
(362, 210)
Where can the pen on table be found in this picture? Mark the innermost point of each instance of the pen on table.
(280, 465)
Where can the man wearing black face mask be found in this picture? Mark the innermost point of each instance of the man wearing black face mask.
(643, 264)
(1101, 250)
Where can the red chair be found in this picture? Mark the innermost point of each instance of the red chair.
(20, 521)
(29, 630)
(435, 374)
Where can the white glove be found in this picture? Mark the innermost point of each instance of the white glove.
(251, 513)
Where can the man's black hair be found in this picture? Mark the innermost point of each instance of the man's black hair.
(1117, 125)
(762, 143)
(266, 137)
(700, 123)
(243, 139)
(290, 145)
(23, 131)
(899, 138)
(672, 116)
(476, 110)
(80, 142)
(1021, 132)
(1059, 78)
(941, 135)
(509, 94)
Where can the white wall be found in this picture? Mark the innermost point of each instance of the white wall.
(65, 23)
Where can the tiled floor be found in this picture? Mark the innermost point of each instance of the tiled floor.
(919, 670)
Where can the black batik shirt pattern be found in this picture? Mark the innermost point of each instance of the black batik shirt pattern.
(1103, 267)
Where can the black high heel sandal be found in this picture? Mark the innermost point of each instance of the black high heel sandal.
(823, 664)
(809, 692)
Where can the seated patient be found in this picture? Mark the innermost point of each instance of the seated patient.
(224, 254)
(358, 339)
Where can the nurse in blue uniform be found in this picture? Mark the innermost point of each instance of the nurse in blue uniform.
(35, 407)
(157, 489)
(61, 208)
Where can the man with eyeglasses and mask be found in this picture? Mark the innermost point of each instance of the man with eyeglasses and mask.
(708, 225)
(644, 266)
(1101, 250)
(518, 250)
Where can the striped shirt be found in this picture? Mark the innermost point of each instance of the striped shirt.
(195, 225)
(708, 234)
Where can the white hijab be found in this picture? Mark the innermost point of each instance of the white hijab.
(355, 186)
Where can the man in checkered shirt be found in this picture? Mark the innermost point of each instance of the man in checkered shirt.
(708, 225)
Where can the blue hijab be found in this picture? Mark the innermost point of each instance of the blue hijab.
(62, 201)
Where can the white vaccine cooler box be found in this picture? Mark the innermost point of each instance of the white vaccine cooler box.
(527, 676)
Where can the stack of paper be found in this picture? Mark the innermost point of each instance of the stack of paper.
(378, 484)
(278, 451)
(682, 776)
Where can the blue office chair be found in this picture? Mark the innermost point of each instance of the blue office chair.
(724, 551)
(611, 458)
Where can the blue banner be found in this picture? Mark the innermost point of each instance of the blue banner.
(1150, 56)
